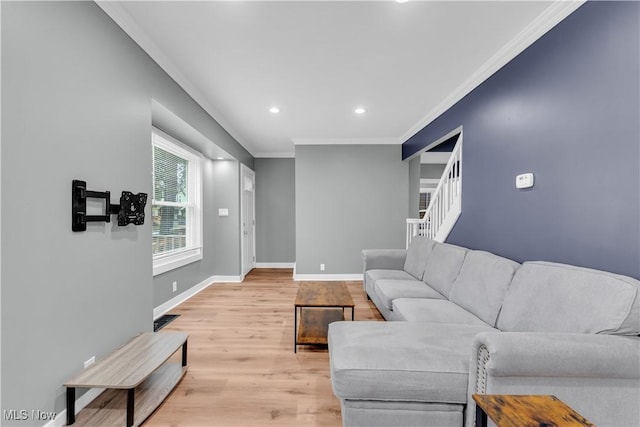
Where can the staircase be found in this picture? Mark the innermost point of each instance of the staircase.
(446, 203)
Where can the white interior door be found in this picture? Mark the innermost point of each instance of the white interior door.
(247, 184)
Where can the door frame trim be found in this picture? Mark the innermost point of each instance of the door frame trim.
(244, 171)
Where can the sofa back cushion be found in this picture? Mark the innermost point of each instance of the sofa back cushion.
(443, 266)
(550, 297)
(417, 255)
(482, 284)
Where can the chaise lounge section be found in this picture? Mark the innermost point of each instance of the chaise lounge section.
(463, 321)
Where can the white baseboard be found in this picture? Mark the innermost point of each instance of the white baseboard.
(179, 299)
(228, 279)
(61, 418)
(275, 264)
(327, 277)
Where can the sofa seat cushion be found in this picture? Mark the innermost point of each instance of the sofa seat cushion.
(371, 276)
(389, 290)
(433, 311)
(374, 275)
(405, 361)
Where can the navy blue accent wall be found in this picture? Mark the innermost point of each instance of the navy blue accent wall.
(568, 110)
(446, 146)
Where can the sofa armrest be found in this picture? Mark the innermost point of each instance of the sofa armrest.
(558, 354)
(592, 373)
(387, 259)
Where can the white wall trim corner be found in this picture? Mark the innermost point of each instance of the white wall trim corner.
(228, 279)
(280, 155)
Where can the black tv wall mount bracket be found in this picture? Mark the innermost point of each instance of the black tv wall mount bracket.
(129, 211)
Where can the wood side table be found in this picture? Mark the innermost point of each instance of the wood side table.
(319, 303)
(526, 411)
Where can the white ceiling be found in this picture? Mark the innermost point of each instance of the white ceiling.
(405, 63)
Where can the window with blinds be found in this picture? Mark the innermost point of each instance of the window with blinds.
(176, 206)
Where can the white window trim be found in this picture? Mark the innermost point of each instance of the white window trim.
(168, 261)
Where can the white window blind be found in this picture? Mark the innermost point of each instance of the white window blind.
(176, 205)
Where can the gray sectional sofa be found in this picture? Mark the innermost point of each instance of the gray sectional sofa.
(463, 321)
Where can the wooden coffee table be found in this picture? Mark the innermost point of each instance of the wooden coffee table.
(319, 303)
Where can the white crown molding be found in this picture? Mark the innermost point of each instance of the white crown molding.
(346, 141)
(286, 155)
(120, 16)
(554, 14)
(548, 19)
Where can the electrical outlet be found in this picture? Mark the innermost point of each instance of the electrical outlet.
(175, 286)
(90, 362)
(321, 267)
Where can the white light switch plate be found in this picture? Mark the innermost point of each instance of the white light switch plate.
(223, 212)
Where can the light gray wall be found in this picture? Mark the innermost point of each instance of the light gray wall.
(348, 198)
(76, 103)
(226, 194)
(275, 210)
(432, 170)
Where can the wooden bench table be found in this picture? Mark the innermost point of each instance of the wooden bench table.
(526, 411)
(138, 367)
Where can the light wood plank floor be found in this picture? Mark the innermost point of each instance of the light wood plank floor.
(242, 368)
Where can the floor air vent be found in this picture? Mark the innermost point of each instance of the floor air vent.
(163, 321)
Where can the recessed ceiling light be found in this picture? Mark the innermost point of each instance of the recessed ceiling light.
(359, 110)
(220, 158)
(401, 1)
(274, 110)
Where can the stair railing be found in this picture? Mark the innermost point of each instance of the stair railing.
(446, 203)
